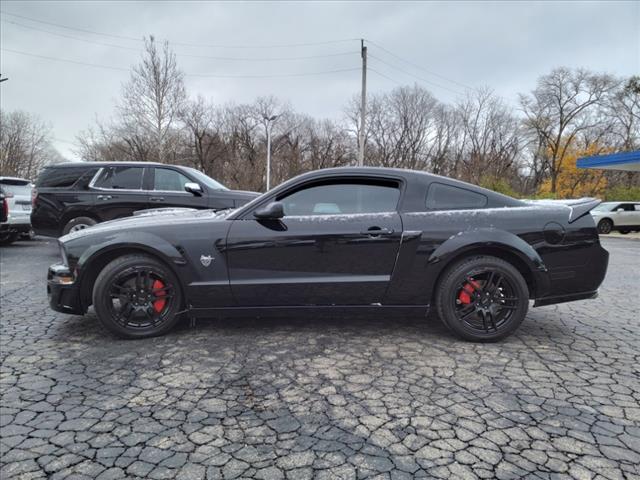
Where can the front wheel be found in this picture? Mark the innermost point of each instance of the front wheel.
(482, 299)
(605, 226)
(136, 296)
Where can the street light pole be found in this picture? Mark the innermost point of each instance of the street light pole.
(269, 121)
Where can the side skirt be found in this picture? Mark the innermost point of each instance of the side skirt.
(417, 310)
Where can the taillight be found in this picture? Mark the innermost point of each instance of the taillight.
(5, 209)
(34, 197)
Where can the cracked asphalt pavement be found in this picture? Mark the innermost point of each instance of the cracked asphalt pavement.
(326, 397)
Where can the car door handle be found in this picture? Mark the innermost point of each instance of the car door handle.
(377, 231)
(104, 197)
(157, 199)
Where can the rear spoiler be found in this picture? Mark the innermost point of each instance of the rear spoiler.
(578, 207)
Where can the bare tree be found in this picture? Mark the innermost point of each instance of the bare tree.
(558, 110)
(204, 140)
(25, 145)
(153, 97)
(488, 144)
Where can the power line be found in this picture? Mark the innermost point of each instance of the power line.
(384, 76)
(64, 60)
(124, 37)
(70, 36)
(238, 59)
(277, 75)
(457, 92)
(204, 75)
(419, 67)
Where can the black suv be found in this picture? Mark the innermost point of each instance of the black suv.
(72, 196)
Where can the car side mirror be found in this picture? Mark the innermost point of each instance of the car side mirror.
(193, 187)
(619, 209)
(271, 211)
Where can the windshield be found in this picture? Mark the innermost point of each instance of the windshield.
(208, 181)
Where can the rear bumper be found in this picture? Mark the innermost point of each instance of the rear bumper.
(579, 282)
(15, 227)
(62, 290)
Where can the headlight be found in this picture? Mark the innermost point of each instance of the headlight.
(63, 255)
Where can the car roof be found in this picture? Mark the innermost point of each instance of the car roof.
(103, 164)
(395, 172)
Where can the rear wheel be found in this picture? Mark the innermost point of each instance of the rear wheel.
(605, 226)
(78, 223)
(482, 299)
(136, 296)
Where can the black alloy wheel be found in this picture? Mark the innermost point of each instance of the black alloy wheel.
(482, 298)
(605, 226)
(136, 296)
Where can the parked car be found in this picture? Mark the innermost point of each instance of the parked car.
(621, 216)
(73, 196)
(346, 237)
(17, 202)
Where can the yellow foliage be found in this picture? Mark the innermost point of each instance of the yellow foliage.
(573, 182)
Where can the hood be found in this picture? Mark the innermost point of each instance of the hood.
(241, 196)
(148, 219)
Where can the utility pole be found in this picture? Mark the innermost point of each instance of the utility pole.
(363, 104)
(269, 121)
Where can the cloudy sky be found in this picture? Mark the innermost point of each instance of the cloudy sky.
(304, 52)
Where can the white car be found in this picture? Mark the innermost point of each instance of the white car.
(17, 201)
(621, 216)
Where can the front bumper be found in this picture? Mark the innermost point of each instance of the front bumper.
(62, 290)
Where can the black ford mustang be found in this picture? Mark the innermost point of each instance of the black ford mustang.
(347, 237)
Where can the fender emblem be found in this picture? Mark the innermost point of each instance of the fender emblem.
(206, 260)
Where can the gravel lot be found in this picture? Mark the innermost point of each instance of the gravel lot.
(323, 397)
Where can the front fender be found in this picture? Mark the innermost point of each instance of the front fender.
(149, 242)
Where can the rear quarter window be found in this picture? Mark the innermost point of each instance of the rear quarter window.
(61, 177)
(448, 197)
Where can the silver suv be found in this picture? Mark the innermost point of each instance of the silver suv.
(16, 203)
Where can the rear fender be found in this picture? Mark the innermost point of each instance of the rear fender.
(490, 238)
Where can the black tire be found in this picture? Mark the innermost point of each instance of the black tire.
(494, 302)
(78, 223)
(605, 226)
(7, 238)
(119, 290)
(624, 232)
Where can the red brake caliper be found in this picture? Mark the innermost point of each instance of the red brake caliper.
(467, 290)
(159, 304)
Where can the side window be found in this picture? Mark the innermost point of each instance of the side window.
(120, 178)
(338, 198)
(448, 197)
(169, 180)
(637, 205)
(60, 177)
